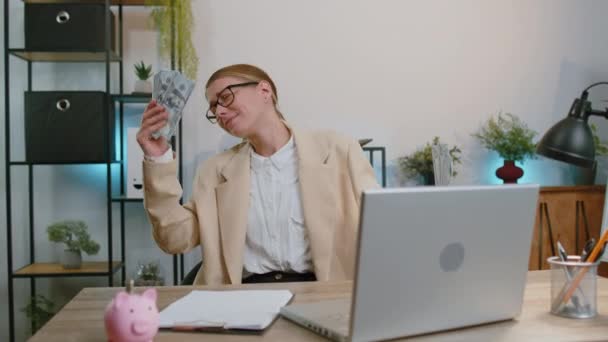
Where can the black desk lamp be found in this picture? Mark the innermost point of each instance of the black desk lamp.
(571, 139)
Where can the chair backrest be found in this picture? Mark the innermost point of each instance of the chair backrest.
(189, 278)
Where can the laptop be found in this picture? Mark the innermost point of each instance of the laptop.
(431, 259)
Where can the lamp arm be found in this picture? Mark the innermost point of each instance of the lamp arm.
(583, 110)
(594, 85)
(603, 113)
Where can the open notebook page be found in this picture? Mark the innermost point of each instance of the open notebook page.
(243, 309)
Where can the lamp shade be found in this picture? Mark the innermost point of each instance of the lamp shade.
(570, 141)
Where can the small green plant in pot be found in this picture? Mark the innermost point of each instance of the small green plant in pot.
(420, 162)
(143, 73)
(149, 274)
(39, 310)
(601, 147)
(511, 138)
(75, 236)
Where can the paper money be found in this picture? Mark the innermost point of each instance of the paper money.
(171, 90)
(162, 79)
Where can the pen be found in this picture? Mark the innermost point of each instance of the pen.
(587, 248)
(579, 277)
(564, 257)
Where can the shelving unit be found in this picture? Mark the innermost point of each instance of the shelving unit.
(114, 102)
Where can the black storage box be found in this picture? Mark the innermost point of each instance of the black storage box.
(67, 127)
(71, 26)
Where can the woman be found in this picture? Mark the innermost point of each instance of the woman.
(283, 205)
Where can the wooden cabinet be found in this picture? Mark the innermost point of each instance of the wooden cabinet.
(569, 214)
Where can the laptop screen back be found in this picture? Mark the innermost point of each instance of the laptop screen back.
(437, 258)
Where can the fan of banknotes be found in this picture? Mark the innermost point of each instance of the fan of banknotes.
(171, 90)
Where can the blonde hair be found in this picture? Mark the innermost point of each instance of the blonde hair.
(249, 73)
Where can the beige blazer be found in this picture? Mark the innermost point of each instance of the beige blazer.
(333, 171)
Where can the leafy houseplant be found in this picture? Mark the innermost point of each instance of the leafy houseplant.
(76, 237)
(143, 73)
(173, 19)
(39, 310)
(511, 138)
(601, 147)
(586, 176)
(149, 274)
(420, 162)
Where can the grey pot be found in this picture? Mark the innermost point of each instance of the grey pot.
(71, 259)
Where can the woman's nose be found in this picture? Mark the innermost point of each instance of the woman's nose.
(221, 110)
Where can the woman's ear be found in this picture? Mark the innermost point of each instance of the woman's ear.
(266, 90)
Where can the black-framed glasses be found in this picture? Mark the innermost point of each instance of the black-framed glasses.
(224, 99)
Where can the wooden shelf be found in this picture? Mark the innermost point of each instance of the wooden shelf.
(132, 98)
(63, 56)
(113, 2)
(126, 199)
(93, 268)
(64, 163)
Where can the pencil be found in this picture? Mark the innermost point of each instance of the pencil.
(579, 277)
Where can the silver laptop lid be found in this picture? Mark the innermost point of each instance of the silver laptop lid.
(436, 258)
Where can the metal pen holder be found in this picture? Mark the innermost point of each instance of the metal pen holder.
(583, 301)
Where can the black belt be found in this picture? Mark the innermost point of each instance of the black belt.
(279, 277)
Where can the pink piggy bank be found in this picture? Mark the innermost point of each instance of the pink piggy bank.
(132, 317)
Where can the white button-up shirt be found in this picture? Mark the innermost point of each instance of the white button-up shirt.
(277, 239)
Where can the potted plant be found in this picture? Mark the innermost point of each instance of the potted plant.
(143, 72)
(601, 147)
(173, 19)
(511, 138)
(76, 237)
(39, 310)
(420, 162)
(149, 274)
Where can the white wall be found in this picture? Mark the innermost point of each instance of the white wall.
(399, 72)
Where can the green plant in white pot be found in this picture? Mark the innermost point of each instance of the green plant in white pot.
(149, 274)
(75, 236)
(143, 72)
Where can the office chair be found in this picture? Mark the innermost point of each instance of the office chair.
(189, 278)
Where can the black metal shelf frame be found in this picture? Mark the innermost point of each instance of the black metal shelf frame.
(109, 56)
(371, 150)
(127, 199)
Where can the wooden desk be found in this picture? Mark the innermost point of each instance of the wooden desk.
(82, 318)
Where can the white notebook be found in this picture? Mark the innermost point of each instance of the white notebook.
(246, 310)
